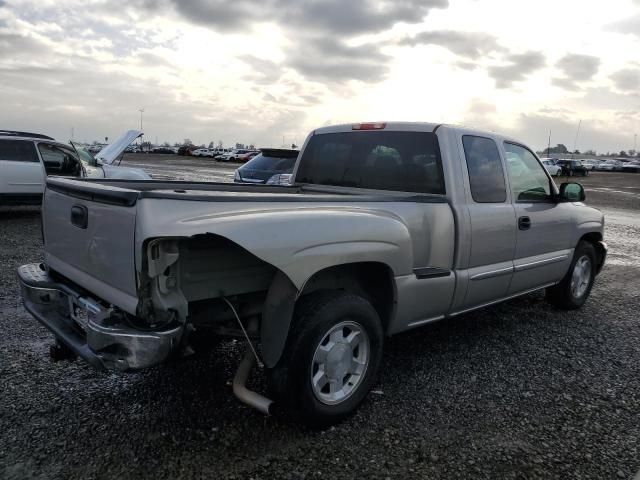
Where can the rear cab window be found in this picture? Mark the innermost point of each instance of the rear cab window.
(486, 175)
(18, 151)
(378, 160)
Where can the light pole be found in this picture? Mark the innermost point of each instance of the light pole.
(141, 110)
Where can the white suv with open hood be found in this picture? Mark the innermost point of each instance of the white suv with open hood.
(26, 159)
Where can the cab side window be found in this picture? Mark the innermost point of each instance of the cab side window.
(529, 182)
(18, 151)
(486, 176)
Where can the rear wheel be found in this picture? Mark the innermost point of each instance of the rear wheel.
(575, 287)
(331, 359)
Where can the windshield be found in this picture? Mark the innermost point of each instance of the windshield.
(276, 164)
(382, 160)
(85, 157)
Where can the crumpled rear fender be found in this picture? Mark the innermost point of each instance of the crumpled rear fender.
(298, 241)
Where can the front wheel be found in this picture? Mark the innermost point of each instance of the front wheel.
(575, 287)
(331, 359)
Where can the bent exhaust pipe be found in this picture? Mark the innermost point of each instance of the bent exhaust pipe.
(240, 390)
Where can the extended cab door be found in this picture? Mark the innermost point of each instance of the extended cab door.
(21, 173)
(543, 250)
(492, 223)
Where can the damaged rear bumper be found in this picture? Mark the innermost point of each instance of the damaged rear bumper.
(90, 329)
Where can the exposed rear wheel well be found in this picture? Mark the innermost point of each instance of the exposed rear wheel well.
(371, 280)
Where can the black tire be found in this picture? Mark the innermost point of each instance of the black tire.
(562, 295)
(290, 381)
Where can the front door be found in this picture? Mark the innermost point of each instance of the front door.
(543, 250)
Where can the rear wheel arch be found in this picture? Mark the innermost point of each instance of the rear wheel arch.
(370, 280)
(374, 281)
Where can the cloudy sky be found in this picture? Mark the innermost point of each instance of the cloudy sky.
(257, 71)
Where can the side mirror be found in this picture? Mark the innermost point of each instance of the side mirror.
(572, 192)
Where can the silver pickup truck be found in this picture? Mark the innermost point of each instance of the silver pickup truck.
(386, 227)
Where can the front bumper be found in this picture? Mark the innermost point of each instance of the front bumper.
(89, 329)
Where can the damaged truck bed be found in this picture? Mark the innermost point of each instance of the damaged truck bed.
(381, 231)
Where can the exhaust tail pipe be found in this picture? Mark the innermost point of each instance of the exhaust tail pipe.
(240, 390)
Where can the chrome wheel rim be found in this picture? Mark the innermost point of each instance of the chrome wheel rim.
(340, 362)
(581, 276)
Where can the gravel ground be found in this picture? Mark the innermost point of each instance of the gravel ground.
(515, 391)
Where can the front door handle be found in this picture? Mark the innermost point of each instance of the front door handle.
(524, 223)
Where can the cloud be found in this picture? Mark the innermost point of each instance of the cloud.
(317, 31)
(533, 128)
(470, 45)
(518, 66)
(627, 79)
(327, 59)
(629, 25)
(14, 45)
(576, 69)
(263, 72)
(349, 18)
(99, 108)
(355, 17)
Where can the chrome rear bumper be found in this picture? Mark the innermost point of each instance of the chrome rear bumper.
(90, 329)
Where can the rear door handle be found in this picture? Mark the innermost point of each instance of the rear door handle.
(524, 223)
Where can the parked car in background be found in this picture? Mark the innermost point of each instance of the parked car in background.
(571, 168)
(272, 166)
(221, 154)
(163, 150)
(218, 152)
(590, 164)
(202, 152)
(235, 154)
(553, 160)
(26, 159)
(610, 165)
(245, 157)
(551, 167)
(632, 166)
(95, 148)
(186, 150)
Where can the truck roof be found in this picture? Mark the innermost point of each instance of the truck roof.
(388, 126)
(411, 127)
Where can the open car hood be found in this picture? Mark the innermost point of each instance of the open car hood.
(111, 152)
